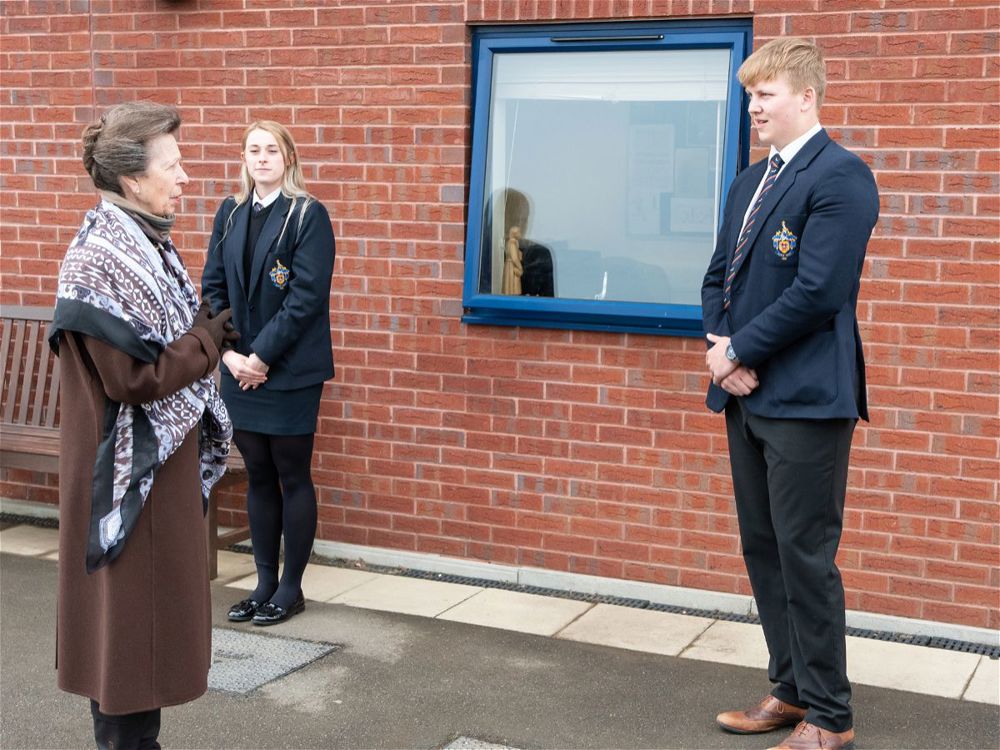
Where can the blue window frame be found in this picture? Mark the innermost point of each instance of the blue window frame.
(601, 157)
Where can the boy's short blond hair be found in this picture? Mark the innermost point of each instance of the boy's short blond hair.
(800, 61)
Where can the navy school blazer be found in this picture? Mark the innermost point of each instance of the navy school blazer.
(283, 310)
(792, 315)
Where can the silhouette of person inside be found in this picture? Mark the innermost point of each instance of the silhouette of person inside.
(527, 265)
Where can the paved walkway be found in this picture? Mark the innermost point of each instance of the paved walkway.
(420, 663)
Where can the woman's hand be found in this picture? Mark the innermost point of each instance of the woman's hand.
(248, 374)
(219, 327)
(259, 369)
(257, 364)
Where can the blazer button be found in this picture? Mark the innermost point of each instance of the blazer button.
(252, 308)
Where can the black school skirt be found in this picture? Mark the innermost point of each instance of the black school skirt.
(272, 412)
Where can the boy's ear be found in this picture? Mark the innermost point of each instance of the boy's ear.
(809, 95)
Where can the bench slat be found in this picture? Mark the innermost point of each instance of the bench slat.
(4, 350)
(37, 415)
(53, 406)
(28, 382)
(15, 371)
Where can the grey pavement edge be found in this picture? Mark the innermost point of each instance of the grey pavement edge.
(411, 682)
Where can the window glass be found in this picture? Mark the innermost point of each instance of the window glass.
(599, 166)
(604, 174)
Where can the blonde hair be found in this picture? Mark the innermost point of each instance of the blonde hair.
(293, 184)
(800, 61)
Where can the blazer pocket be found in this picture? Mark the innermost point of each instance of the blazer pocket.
(806, 372)
(783, 237)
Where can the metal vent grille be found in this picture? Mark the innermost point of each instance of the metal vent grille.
(242, 662)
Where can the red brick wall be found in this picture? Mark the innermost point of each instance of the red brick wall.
(587, 452)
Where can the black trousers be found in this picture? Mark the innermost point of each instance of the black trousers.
(126, 732)
(790, 481)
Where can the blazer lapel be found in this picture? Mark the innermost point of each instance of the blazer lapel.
(741, 203)
(275, 220)
(785, 180)
(236, 240)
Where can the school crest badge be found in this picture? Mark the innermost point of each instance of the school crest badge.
(279, 275)
(784, 242)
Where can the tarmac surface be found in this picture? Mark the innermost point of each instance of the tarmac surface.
(400, 681)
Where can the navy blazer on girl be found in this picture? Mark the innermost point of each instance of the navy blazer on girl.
(283, 310)
(792, 316)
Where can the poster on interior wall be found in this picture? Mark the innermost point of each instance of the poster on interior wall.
(650, 177)
(691, 215)
(692, 205)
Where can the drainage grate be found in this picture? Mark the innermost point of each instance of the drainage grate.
(242, 662)
(968, 647)
(44, 522)
(621, 601)
(885, 635)
(471, 743)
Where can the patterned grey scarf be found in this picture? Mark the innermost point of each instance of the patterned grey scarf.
(116, 285)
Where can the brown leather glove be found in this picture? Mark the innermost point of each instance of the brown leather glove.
(219, 327)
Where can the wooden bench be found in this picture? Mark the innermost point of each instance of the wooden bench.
(29, 417)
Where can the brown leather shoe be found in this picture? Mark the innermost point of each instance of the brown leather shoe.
(808, 736)
(768, 715)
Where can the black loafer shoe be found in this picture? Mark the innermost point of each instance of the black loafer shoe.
(272, 614)
(243, 610)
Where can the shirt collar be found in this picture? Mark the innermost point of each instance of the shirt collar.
(268, 199)
(789, 151)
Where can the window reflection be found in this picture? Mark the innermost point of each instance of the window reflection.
(616, 161)
(525, 266)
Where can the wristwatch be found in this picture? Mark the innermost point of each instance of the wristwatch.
(731, 354)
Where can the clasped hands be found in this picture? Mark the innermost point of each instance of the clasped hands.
(250, 372)
(732, 377)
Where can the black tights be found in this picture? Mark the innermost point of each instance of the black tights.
(280, 497)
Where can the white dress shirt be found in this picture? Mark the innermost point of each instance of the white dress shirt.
(787, 154)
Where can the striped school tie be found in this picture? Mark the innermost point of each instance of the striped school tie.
(741, 244)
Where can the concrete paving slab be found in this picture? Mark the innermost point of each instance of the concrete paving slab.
(902, 666)
(29, 540)
(984, 687)
(322, 583)
(636, 629)
(517, 611)
(727, 642)
(247, 583)
(234, 565)
(411, 596)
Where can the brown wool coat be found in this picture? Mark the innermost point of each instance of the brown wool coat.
(136, 634)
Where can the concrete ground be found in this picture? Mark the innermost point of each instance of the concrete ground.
(500, 667)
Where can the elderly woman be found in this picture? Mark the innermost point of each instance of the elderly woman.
(136, 360)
